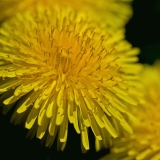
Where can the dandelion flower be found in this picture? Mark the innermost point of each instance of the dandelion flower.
(113, 12)
(57, 66)
(144, 144)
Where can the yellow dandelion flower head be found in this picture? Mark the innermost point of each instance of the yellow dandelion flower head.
(112, 12)
(144, 144)
(58, 66)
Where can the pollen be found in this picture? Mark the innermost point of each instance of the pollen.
(58, 66)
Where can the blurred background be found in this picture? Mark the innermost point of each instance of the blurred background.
(142, 31)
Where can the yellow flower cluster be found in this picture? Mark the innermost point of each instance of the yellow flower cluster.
(110, 12)
(144, 143)
(61, 63)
